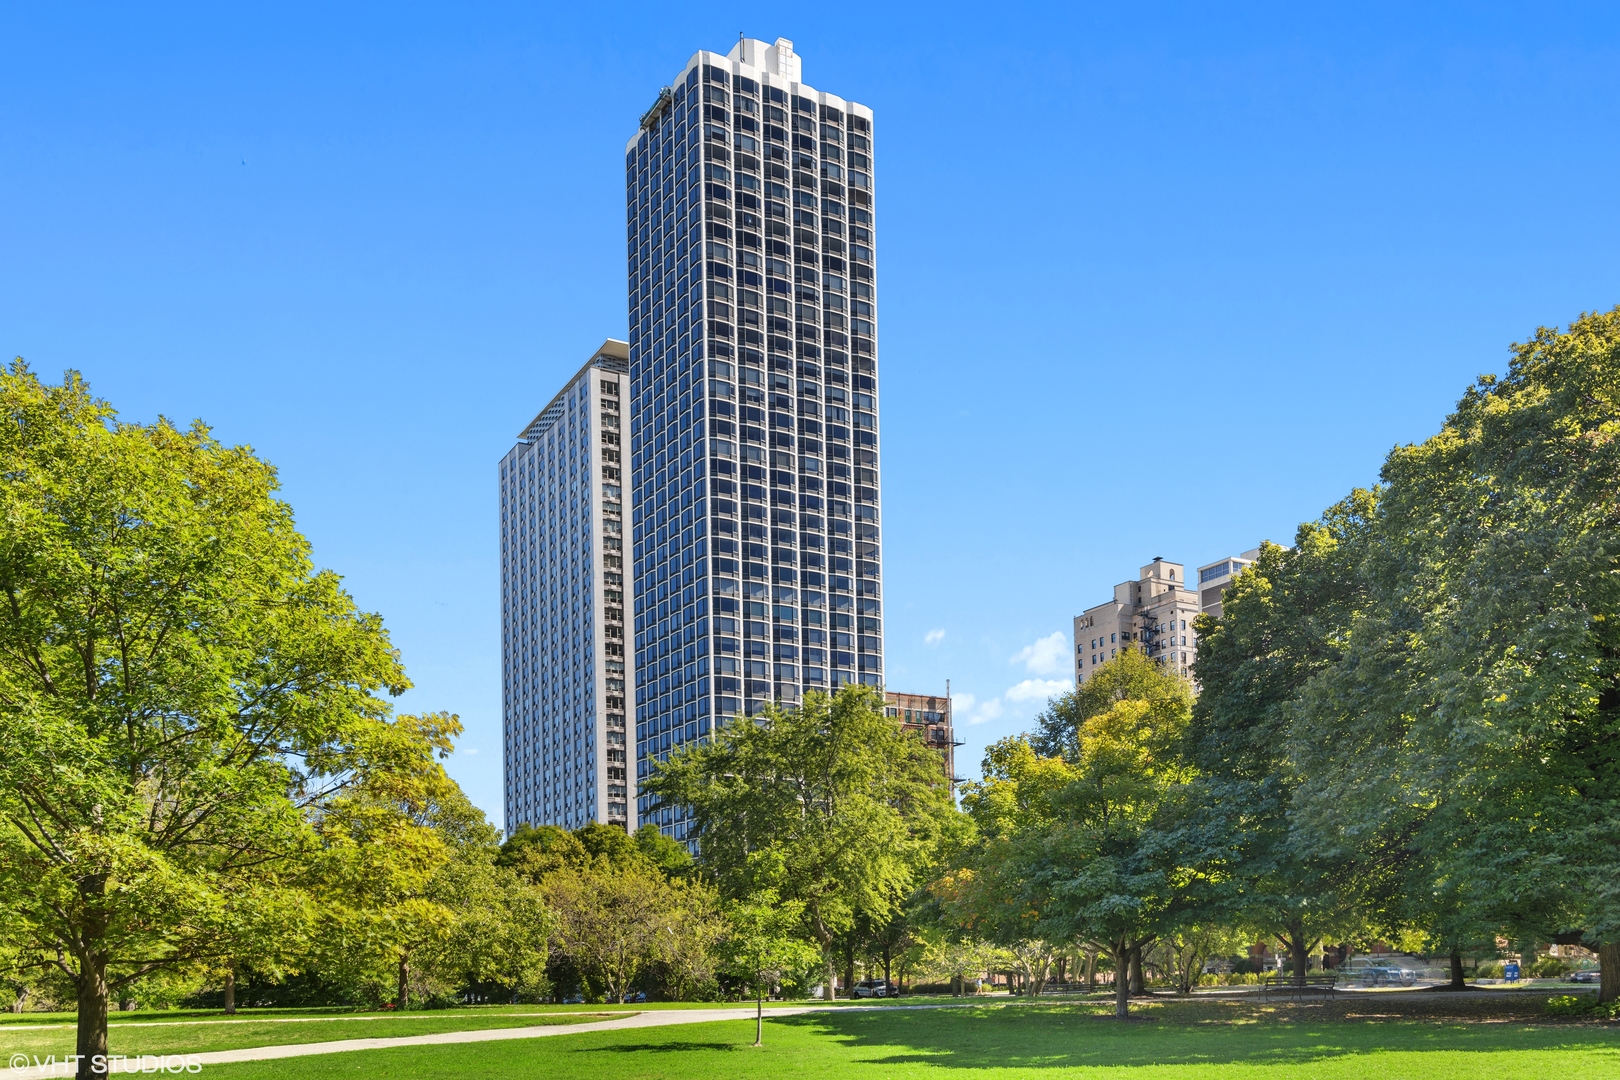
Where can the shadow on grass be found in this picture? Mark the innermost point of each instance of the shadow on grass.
(682, 1046)
(1040, 1036)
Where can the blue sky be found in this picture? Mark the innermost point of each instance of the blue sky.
(1154, 279)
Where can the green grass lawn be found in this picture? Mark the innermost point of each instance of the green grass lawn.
(180, 1033)
(1430, 1040)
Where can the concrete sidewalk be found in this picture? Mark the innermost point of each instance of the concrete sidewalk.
(152, 1064)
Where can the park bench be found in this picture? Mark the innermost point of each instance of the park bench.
(1285, 986)
(1055, 987)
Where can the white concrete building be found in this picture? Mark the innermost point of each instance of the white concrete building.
(564, 662)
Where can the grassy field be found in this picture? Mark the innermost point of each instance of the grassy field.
(1427, 1039)
(193, 1033)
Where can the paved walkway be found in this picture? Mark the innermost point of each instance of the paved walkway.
(152, 1064)
(248, 1018)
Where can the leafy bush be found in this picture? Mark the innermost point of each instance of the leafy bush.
(1550, 967)
(1582, 1005)
(1492, 970)
(1568, 1005)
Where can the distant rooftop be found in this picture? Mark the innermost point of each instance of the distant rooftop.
(614, 355)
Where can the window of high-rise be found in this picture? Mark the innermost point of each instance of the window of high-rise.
(754, 452)
(563, 625)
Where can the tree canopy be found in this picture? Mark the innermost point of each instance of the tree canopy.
(1425, 691)
(833, 805)
(1091, 843)
(182, 693)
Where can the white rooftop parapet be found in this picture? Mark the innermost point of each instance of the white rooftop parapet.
(778, 59)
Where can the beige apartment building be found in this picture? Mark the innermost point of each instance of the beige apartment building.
(1154, 613)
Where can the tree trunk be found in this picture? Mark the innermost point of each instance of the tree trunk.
(402, 989)
(1457, 982)
(825, 939)
(230, 991)
(1297, 949)
(1137, 986)
(1122, 980)
(849, 971)
(1091, 969)
(886, 959)
(94, 997)
(1609, 971)
(759, 1013)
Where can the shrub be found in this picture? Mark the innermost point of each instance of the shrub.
(1568, 1005)
(1492, 970)
(1550, 967)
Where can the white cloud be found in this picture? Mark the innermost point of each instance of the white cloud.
(967, 709)
(468, 751)
(1048, 656)
(934, 637)
(1038, 689)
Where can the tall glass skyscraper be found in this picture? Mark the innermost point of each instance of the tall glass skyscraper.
(563, 627)
(753, 385)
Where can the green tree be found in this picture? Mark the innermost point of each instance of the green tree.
(181, 692)
(687, 954)
(1286, 620)
(1097, 844)
(763, 946)
(498, 936)
(612, 921)
(1017, 806)
(1417, 708)
(384, 844)
(410, 875)
(536, 851)
(856, 807)
(1481, 694)
(647, 872)
(668, 854)
(1189, 944)
(609, 844)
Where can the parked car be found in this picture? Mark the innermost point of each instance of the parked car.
(1585, 976)
(574, 999)
(1388, 976)
(874, 988)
